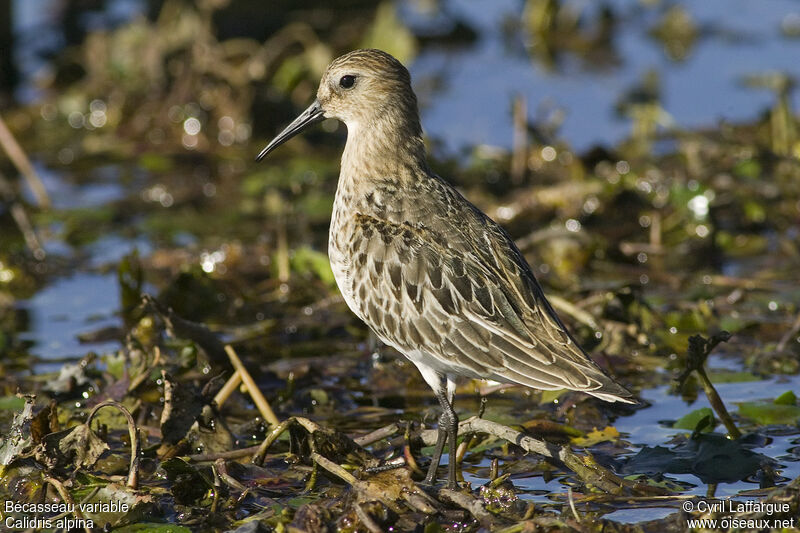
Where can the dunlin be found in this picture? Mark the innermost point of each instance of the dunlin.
(431, 274)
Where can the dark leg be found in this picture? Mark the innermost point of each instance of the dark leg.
(452, 447)
(430, 479)
(448, 430)
(452, 430)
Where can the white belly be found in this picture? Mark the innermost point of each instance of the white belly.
(432, 368)
(340, 265)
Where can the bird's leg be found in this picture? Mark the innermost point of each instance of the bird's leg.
(452, 447)
(448, 427)
(444, 387)
(430, 479)
(453, 430)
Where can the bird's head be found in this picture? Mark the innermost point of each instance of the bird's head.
(361, 88)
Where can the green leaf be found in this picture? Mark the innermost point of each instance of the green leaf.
(747, 168)
(702, 419)
(433, 527)
(156, 162)
(11, 403)
(390, 34)
(770, 413)
(113, 418)
(307, 260)
(489, 444)
(787, 398)
(549, 396)
(189, 483)
(130, 277)
(729, 376)
(732, 323)
(300, 501)
(116, 504)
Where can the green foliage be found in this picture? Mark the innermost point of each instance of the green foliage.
(787, 398)
(306, 261)
(193, 294)
(698, 420)
(189, 483)
(748, 168)
(390, 34)
(782, 410)
(130, 277)
(11, 403)
(155, 162)
(636, 267)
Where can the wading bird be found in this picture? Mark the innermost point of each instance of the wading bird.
(431, 274)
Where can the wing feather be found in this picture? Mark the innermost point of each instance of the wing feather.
(476, 311)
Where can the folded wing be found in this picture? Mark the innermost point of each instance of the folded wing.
(474, 307)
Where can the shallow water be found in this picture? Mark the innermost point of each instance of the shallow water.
(470, 103)
(66, 308)
(481, 78)
(472, 107)
(651, 427)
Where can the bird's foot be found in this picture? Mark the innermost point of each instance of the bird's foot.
(431, 481)
(432, 485)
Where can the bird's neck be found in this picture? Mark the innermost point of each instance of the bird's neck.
(387, 147)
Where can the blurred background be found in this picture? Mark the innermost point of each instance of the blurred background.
(644, 154)
(112, 99)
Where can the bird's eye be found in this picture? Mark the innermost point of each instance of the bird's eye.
(347, 81)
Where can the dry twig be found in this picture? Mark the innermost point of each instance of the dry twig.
(470, 504)
(252, 388)
(231, 385)
(21, 219)
(67, 498)
(788, 335)
(378, 434)
(589, 471)
(133, 471)
(23, 164)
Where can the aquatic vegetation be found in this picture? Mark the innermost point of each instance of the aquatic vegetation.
(146, 148)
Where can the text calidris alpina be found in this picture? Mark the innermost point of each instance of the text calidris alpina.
(431, 274)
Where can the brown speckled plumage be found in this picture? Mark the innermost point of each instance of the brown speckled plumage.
(431, 274)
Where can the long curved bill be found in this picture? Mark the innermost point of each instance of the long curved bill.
(307, 118)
